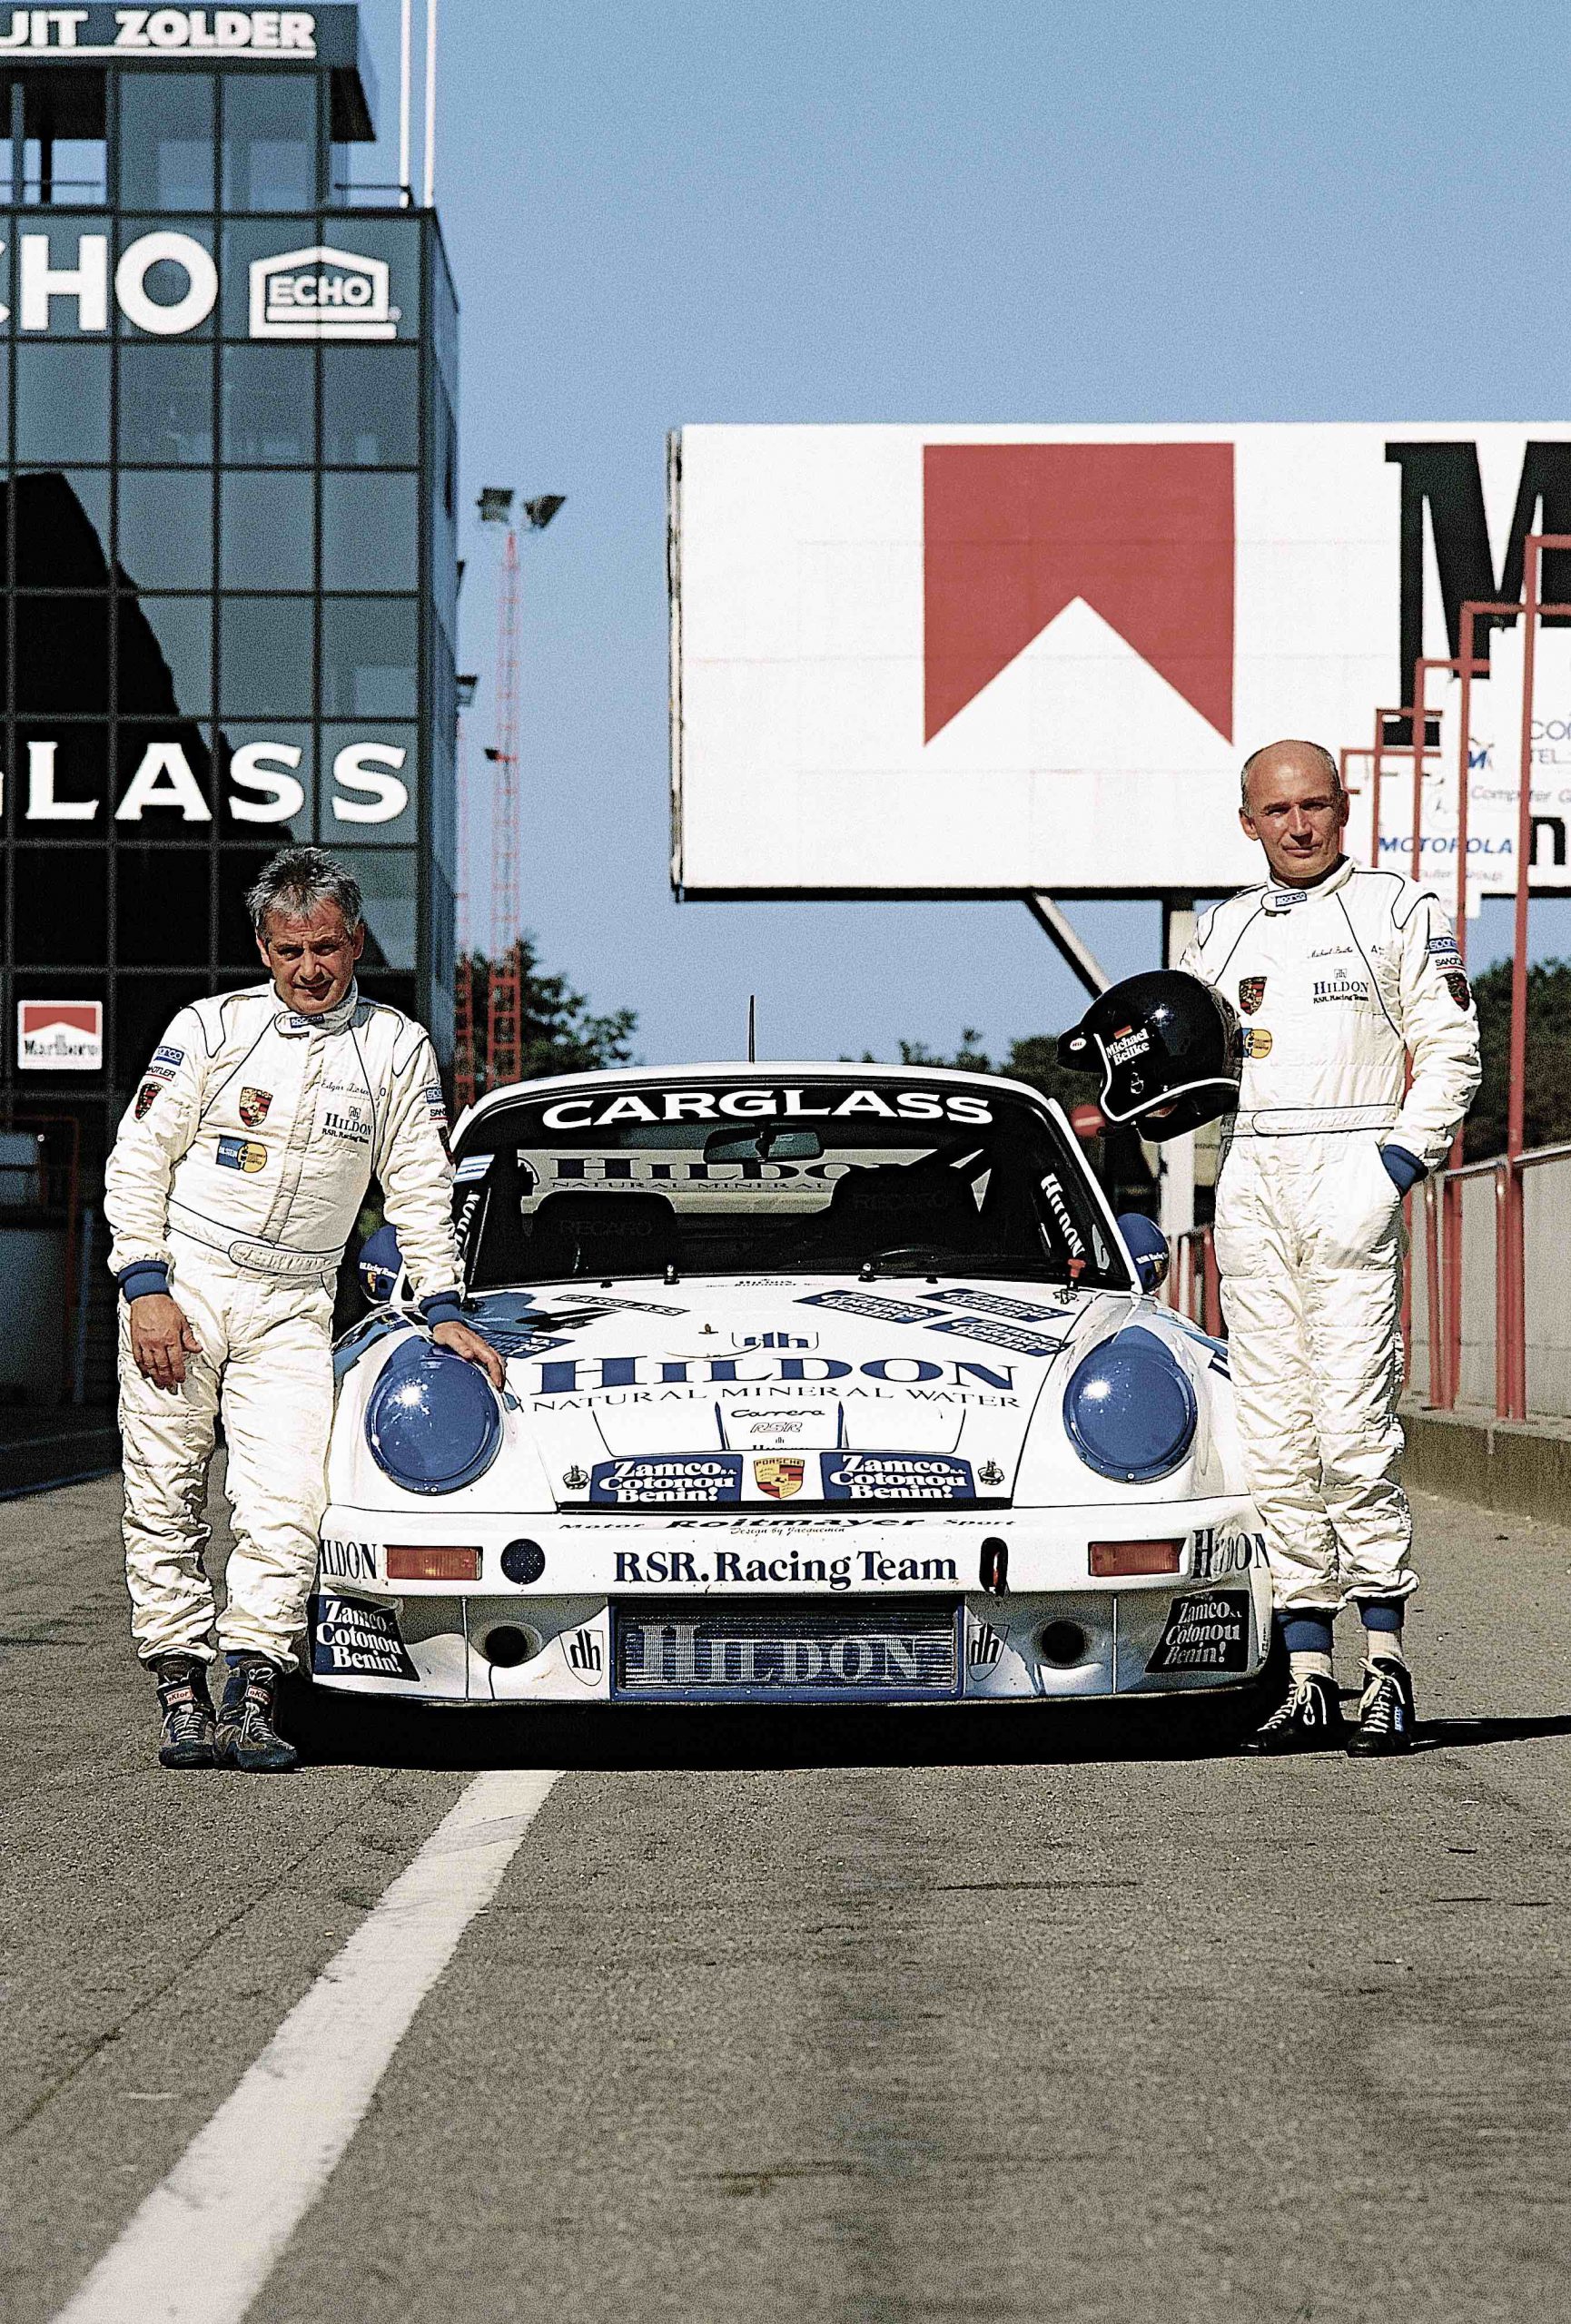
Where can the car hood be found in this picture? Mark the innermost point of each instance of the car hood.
(790, 1388)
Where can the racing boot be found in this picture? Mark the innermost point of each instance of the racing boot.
(1387, 1719)
(246, 1737)
(1310, 1720)
(187, 1708)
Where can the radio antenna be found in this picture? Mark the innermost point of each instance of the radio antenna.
(752, 1027)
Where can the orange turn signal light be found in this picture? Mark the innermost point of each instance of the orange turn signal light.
(432, 1565)
(1110, 1558)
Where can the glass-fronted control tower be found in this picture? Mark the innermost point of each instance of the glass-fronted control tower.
(228, 381)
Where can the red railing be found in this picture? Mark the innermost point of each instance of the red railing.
(1443, 1278)
(1193, 1284)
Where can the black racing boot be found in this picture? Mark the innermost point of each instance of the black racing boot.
(1388, 1721)
(1310, 1720)
(187, 1708)
(246, 1737)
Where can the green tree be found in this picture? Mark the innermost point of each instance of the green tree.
(1033, 1058)
(560, 1032)
(1548, 1087)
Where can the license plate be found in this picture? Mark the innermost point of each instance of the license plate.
(885, 1653)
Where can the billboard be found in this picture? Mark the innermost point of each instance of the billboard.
(963, 661)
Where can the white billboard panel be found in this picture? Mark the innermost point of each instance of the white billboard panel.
(941, 661)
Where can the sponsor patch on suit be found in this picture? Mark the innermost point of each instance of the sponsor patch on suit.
(253, 1106)
(145, 1096)
(241, 1154)
(1252, 992)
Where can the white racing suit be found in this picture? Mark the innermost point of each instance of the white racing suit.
(237, 1175)
(1336, 986)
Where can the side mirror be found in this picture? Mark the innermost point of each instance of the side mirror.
(1147, 1247)
(380, 1265)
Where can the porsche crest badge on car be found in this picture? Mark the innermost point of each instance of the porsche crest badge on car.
(779, 1478)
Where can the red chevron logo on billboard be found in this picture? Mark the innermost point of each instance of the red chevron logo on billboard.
(1015, 533)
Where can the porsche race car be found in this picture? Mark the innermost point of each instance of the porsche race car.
(826, 1384)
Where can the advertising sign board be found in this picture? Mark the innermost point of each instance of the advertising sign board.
(961, 661)
(59, 1036)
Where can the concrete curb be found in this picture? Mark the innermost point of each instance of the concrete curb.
(1522, 1468)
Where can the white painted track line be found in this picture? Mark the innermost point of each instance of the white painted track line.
(205, 2241)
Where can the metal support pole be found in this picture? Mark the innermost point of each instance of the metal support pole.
(406, 13)
(430, 146)
(1178, 1156)
(1076, 952)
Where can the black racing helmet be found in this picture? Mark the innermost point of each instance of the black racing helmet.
(1166, 1048)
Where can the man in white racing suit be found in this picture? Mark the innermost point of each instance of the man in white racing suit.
(1340, 977)
(237, 1175)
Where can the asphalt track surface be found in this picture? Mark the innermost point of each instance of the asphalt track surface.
(876, 2016)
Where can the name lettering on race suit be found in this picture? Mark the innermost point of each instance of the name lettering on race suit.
(591, 1112)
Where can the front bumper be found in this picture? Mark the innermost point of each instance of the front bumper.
(1050, 1631)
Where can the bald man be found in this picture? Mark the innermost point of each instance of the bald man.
(1341, 978)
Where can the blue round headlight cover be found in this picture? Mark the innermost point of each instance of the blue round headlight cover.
(433, 1420)
(1130, 1408)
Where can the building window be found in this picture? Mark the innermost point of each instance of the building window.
(62, 403)
(270, 141)
(165, 656)
(61, 765)
(166, 141)
(166, 897)
(266, 656)
(370, 657)
(62, 530)
(165, 539)
(370, 532)
(269, 405)
(62, 117)
(166, 405)
(164, 785)
(62, 911)
(390, 882)
(371, 406)
(63, 654)
(369, 790)
(266, 764)
(267, 528)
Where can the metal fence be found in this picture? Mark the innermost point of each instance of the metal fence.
(1480, 1333)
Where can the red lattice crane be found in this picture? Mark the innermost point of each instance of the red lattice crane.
(504, 1011)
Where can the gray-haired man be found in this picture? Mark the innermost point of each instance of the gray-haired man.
(237, 1175)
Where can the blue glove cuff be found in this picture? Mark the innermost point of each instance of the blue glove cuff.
(442, 1307)
(1403, 1169)
(144, 1277)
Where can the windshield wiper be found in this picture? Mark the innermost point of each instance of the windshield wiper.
(919, 1258)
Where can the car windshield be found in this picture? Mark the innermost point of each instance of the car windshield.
(870, 1177)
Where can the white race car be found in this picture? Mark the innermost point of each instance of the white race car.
(825, 1382)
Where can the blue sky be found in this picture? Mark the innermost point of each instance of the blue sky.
(663, 211)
